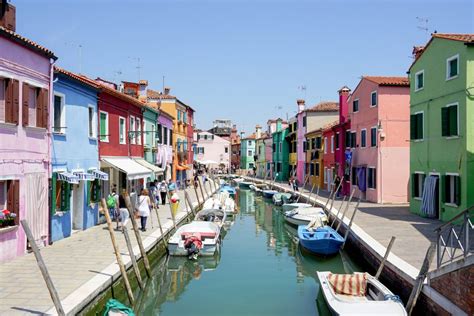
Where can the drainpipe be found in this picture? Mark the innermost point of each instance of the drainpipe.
(52, 61)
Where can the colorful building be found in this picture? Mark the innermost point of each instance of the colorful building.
(314, 158)
(330, 165)
(164, 150)
(379, 114)
(190, 142)
(291, 138)
(212, 150)
(25, 105)
(247, 151)
(235, 150)
(261, 148)
(280, 150)
(442, 126)
(76, 179)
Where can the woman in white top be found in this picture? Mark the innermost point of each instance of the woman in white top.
(143, 207)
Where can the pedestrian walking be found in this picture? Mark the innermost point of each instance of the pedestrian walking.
(124, 214)
(163, 192)
(143, 208)
(295, 185)
(112, 205)
(337, 181)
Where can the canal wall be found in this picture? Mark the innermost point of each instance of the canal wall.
(398, 275)
(90, 298)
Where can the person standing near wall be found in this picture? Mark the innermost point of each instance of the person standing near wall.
(124, 214)
(163, 192)
(143, 208)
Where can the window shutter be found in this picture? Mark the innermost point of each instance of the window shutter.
(16, 200)
(39, 107)
(8, 101)
(89, 188)
(413, 120)
(53, 192)
(453, 120)
(45, 115)
(16, 101)
(445, 121)
(419, 126)
(457, 190)
(64, 196)
(414, 185)
(24, 108)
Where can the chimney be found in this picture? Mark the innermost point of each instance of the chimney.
(417, 50)
(300, 103)
(167, 90)
(344, 93)
(278, 125)
(8, 16)
(258, 132)
(142, 85)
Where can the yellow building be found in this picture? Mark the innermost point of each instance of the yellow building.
(314, 158)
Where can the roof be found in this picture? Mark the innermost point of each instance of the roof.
(80, 78)
(326, 106)
(330, 125)
(252, 136)
(314, 131)
(389, 81)
(153, 94)
(466, 38)
(17, 38)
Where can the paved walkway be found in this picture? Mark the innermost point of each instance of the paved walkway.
(71, 262)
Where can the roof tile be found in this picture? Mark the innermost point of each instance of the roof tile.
(326, 106)
(26, 42)
(389, 81)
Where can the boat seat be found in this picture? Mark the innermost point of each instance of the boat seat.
(203, 236)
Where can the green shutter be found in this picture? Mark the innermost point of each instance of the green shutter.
(53, 192)
(413, 119)
(413, 185)
(65, 196)
(419, 126)
(453, 121)
(457, 190)
(89, 185)
(445, 121)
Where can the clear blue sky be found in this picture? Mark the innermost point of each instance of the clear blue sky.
(242, 60)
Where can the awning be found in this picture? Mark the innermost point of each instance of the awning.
(68, 177)
(99, 175)
(156, 170)
(133, 169)
(84, 176)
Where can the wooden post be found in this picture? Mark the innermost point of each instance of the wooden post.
(382, 263)
(168, 195)
(302, 190)
(338, 211)
(132, 257)
(310, 193)
(345, 210)
(350, 224)
(42, 266)
(330, 196)
(138, 236)
(159, 224)
(421, 278)
(200, 189)
(188, 199)
(131, 298)
(196, 192)
(203, 186)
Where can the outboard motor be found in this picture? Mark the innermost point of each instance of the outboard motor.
(193, 244)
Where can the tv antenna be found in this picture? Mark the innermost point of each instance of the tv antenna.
(422, 24)
(303, 90)
(79, 52)
(138, 67)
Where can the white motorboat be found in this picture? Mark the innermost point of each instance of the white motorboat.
(221, 201)
(305, 215)
(358, 294)
(218, 217)
(207, 232)
(291, 206)
(236, 181)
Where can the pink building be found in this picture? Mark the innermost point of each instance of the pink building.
(25, 96)
(380, 126)
(212, 150)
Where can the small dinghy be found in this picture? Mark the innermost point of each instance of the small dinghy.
(292, 206)
(358, 294)
(220, 201)
(210, 215)
(304, 216)
(196, 238)
(245, 184)
(321, 241)
(269, 193)
(278, 199)
(236, 181)
(229, 189)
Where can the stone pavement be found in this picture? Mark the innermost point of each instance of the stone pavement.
(71, 262)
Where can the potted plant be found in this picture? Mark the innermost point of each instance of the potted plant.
(7, 218)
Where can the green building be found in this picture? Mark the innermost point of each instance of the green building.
(150, 119)
(280, 148)
(442, 126)
(247, 152)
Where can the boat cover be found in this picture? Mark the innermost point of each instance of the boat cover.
(349, 284)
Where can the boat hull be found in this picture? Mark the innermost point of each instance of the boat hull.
(291, 206)
(323, 241)
(205, 251)
(245, 185)
(269, 193)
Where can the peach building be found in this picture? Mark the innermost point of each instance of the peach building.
(379, 110)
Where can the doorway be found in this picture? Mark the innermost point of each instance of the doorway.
(78, 206)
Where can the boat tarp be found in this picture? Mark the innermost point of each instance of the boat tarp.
(349, 284)
(114, 307)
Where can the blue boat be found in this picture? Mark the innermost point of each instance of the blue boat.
(322, 241)
(269, 193)
(229, 189)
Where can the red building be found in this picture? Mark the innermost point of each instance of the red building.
(329, 161)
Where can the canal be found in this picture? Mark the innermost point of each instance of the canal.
(260, 271)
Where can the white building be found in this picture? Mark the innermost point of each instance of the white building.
(212, 150)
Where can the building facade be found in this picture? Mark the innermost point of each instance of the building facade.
(164, 150)
(280, 150)
(25, 105)
(442, 127)
(314, 158)
(212, 150)
(247, 152)
(379, 114)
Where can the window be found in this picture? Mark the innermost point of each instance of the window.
(332, 143)
(325, 145)
(132, 130)
(325, 175)
(305, 146)
(348, 139)
(250, 143)
(278, 167)
(371, 178)
(355, 106)
(184, 117)
(304, 121)
(179, 115)
(92, 122)
(279, 149)
(58, 113)
(200, 150)
(159, 134)
(153, 140)
(452, 189)
(61, 201)
(2, 101)
(452, 67)
(249, 153)
(170, 137)
(9, 200)
(226, 150)
(337, 141)
(93, 191)
(449, 120)
(419, 80)
(318, 142)
(373, 137)
(139, 130)
(316, 169)
(418, 180)
(122, 131)
(363, 136)
(9, 101)
(354, 176)
(165, 136)
(373, 99)
(274, 147)
(104, 126)
(353, 139)
(32, 107)
(311, 169)
(416, 126)
(35, 106)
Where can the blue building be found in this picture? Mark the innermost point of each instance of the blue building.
(76, 179)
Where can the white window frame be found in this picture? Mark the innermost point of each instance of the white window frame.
(5, 191)
(94, 121)
(376, 137)
(358, 105)
(457, 118)
(132, 129)
(325, 145)
(332, 143)
(421, 186)
(62, 119)
(451, 188)
(365, 138)
(139, 124)
(376, 99)
(3, 86)
(447, 67)
(325, 175)
(124, 132)
(106, 138)
(416, 80)
(371, 167)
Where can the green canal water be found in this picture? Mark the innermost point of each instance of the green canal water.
(260, 271)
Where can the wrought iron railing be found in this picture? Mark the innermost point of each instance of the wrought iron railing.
(454, 238)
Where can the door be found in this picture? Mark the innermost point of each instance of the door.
(78, 206)
(329, 178)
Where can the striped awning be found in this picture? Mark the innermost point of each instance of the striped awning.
(84, 176)
(99, 174)
(68, 177)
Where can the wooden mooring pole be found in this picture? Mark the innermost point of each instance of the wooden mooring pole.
(44, 270)
(345, 210)
(132, 257)
(196, 192)
(420, 279)
(138, 236)
(128, 287)
(304, 186)
(338, 211)
(188, 199)
(382, 263)
(350, 224)
(200, 189)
